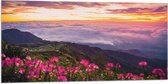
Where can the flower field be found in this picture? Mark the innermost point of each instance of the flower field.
(32, 69)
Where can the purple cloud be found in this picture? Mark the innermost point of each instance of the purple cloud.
(53, 5)
(138, 10)
(161, 9)
(25, 6)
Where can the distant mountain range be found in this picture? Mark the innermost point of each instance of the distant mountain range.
(127, 58)
(111, 47)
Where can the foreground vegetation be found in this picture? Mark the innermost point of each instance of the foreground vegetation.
(32, 69)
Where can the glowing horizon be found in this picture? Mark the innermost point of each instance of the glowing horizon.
(19, 11)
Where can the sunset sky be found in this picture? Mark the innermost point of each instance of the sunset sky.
(14, 11)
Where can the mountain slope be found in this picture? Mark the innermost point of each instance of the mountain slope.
(78, 51)
(15, 36)
(99, 56)
(130, 61)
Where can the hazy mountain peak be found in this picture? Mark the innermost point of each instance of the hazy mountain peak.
(15, 36)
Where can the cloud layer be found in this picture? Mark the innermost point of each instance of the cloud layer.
(105, 33)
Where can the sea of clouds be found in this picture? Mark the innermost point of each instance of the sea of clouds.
(151, 37)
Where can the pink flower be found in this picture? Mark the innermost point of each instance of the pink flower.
(48, 63)
(49, 69)
(37, 62)
(29, 64)
(3, 55)
(54, 59)
(37, 70)
(107, 69)
(84, 62)
(142, 63)
(52, 65)
(61, 78)
(28, 77)
(118, 65)
(88, 70)
(77, 69)
(92, 65)
(61, 71)
(110, 64)
(135, 77)
(7, 62)
(7, 59)
(17, 64)
(21, 70)
(129, 75)
(43, 68)
(70, 69)
(141, 74)
(110, 72)
(73, 69)
(28, 58)
(159, 72)
(121, 76)
(17, 61)
(31, 73)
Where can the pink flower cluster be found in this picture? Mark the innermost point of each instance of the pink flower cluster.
(28, 58)
(62, 78)
(159, 72)
(118, 65)
(36, 68)
(121, 76)
(91, 68)
(50, 67)
(74, 69)
(61, 70)
(128, 76)
(84, 62)
(132, 76)
(143, 63)
(12, 61)
(21, 70)
(110, 64)
(54, 59)
(52, 70)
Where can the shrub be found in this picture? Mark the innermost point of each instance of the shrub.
(13, 50)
